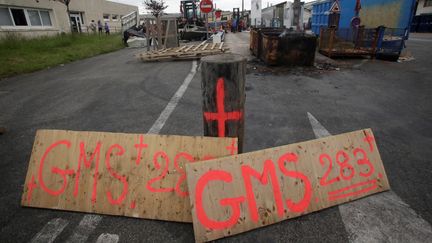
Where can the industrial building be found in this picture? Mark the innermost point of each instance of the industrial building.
(285, 14)
(422, 21)
(32, 18)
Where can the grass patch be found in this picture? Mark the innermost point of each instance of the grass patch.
(19, 55)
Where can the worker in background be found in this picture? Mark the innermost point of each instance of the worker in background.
(100, 27)
(241, 25)
(92, 26)
(234, 26)
(107, 29)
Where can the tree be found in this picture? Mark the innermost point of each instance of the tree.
(65, 2)
(156, 8)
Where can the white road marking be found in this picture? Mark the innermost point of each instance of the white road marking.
(107, 238)
(50, 231)
(361, 63)
(86, 226)
(418, 39)
(383, 217)
(317, 128)
(160, 122)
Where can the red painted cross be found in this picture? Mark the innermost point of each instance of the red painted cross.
(221, 116)
(232, 148)
(31, 186)
(369, 139)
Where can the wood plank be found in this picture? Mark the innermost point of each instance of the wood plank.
(205, 47)
(135, 175)
(181, 48)
(235, 194)
(166, 50)
(181, 56)
(187, 49)
(202, 43)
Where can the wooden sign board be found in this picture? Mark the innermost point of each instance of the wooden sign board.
(235, 194)
(133, 175)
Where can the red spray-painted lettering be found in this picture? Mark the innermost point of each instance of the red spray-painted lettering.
(232, 148)
(123, 180)
(30, 187)
(303, 204)
(87, 164)
(140, 146)
(269, 170)
(182, 178)
(54, 170)
(234, 203)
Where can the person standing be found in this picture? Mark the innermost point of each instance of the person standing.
(92, 27)
(107, 29)
(234, 26)
(100, 27)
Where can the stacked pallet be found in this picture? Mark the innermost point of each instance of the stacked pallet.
(184, 53)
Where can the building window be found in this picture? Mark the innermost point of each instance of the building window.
(5, 17)
(45, 16)
(19, 17)
(428, 3)
(114, 17)
(24, 17)
(106, 17)
(34, 17)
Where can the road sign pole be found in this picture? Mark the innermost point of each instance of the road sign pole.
(206, 7)
(206, 17)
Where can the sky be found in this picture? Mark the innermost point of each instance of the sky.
(174, 5)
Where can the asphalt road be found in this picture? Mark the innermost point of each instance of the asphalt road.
(114, 92)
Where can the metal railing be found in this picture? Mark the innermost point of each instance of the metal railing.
(129, 20)
(348, 41)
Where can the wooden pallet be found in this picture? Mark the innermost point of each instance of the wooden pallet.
(184, 53)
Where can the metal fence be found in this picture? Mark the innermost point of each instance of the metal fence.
(348, 41)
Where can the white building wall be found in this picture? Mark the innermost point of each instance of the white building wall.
(90, 10)
(267, 16)
(288, 15)
(421, 9)
(256, 6)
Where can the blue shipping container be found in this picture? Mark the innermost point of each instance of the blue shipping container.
(373, 13)
(320, 13)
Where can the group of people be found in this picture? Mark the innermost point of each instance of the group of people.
(99, 27)
(236, 25)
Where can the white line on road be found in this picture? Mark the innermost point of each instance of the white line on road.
(50, 231)
(107, 238)
(317, 128)
(421, 40)
(86, 226)
(361, 63)
(160, 122)
(383, 217)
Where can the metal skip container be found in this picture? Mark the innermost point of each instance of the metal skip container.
(288, 48)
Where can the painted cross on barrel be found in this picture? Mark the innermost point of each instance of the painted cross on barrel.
(221, 116)
(223, 90)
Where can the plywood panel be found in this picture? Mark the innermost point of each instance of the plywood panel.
(118, 174)
(235, 194)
